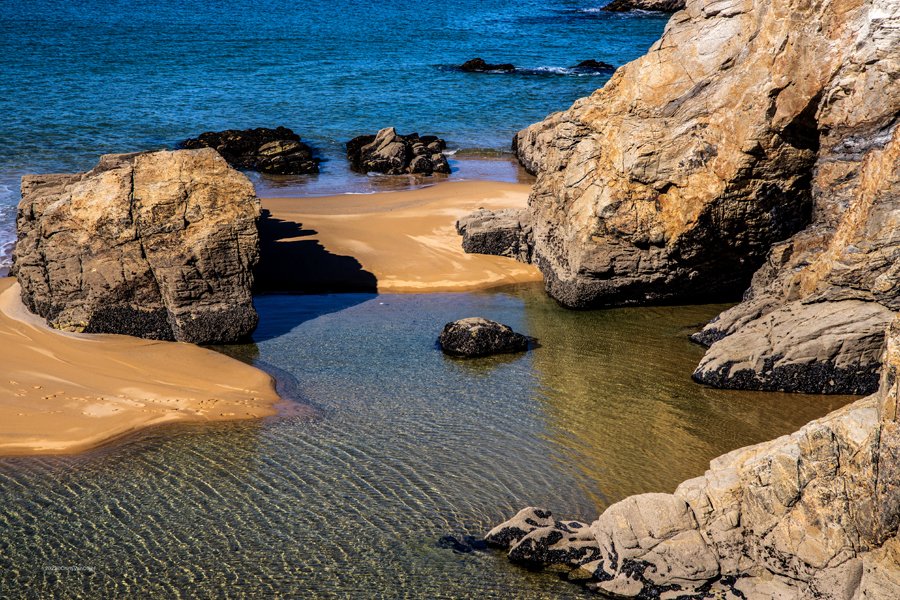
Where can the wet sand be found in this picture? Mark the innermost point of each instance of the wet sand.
(64, 393)
(402, 242)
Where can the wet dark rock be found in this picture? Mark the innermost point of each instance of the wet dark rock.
(478, 65)
(476, 336)
(390, 153)
(276, 151)
(653, 5)
(593, 66)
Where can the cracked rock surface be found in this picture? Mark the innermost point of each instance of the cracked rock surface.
(158, 245)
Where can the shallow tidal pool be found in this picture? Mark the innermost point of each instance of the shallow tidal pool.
(402, 446)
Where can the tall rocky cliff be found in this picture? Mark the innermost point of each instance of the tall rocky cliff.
(159, 245)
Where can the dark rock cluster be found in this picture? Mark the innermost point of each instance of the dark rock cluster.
(390, 153)
(276, 151)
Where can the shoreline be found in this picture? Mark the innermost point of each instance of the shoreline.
(75, 392)
(387, 242)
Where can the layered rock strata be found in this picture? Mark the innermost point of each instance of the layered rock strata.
(814, 514)
(158, 245)
(276, 151)
(393, 154)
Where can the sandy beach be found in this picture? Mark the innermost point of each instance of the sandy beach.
(402, 242)
(64, 393)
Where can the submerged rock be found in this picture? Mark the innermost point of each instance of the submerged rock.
(276, 151)
(500, 233)
(393, 154)
(478, 65)
(814, 514)
(652, 5)
(476, 336)
(158, 245)
(463, 545)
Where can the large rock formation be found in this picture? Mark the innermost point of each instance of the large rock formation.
(158, 245)
(390, 153)
(276, 151)
(814, 514)
(674, 180)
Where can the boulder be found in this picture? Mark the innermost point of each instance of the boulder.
(593, 66)
(475, 336)
(499, 232)
(478, 65)
(276, 151)
(158, 245)
(813, 514)
(668, 6)
(393, 154)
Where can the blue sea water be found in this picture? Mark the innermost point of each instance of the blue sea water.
(79, 79)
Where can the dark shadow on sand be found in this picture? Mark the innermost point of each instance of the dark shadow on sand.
(303, 266)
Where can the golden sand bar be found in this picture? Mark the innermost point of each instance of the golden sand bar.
(63, 392)
(408, 239)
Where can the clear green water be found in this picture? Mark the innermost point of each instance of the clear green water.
(405, 445)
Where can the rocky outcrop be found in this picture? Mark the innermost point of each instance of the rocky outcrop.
(276, 151)
(478, 65)
(158, 245)
(674, 180)
(501, 233)
(393, 154)
(825, 295)
(476, 336)
(653, 5)
(592, 66)
(814, 514)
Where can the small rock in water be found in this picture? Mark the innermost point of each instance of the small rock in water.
(478, 65)
(476, 336)
(593, 66)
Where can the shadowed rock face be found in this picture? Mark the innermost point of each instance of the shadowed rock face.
(673, 181)
(811, 515)
(815, 314)
(499, 233)
(157, 245)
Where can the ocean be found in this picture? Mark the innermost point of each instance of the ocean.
(81, 79)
